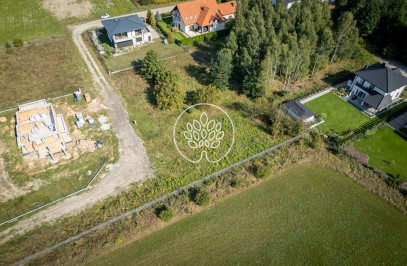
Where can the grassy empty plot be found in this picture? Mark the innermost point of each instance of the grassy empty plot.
(339, 115)
(135, 57)
(386, 150)
(41, 70)
(155, 127)
(304, 215)
(28, 19)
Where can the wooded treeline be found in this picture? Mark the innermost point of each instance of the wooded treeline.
(382, 23)
(268, 41)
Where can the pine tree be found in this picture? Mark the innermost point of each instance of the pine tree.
(158, 16)
(151, 66)
(168, 91)
(221, 69)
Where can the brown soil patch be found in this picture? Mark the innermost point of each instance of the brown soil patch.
(62, 9)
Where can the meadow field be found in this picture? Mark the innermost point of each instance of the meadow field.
(306, 214)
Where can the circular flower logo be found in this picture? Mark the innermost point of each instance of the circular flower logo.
(199, 135)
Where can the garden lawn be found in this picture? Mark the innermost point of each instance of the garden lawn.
(305, 215)
(135, 57)
(339, 115)
(386, 150)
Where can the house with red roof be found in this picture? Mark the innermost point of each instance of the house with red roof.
(202, 16)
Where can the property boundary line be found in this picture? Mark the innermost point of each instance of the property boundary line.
(52, 202)
(153, 202)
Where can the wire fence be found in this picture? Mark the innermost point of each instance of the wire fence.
(13, 218)
(154, 202)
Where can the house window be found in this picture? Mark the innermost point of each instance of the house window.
(190, 17)
(186, 18)
(191, 28)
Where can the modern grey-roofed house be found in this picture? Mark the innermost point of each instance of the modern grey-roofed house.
(127, 31)
(297, 110)
(375, 87)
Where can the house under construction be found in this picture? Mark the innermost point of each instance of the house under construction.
(40, 130)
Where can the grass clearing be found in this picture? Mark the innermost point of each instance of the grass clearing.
(305, 214)
(41, 70)
(135, 57)
(339, 115)
(155, 127)
(386, 150)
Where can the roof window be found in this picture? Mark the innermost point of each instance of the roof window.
(190, 17)
(195, 16)
(186, 18)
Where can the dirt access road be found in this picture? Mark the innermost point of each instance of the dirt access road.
(132, 166)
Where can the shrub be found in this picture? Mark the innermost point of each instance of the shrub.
(9, 50)
(170, 37)
(315, 140)
(263, 172)
(152, 20)
(207, 94)
(7, 45)
(202, 197)
(166, 214)
(18, 43)
(236, 183)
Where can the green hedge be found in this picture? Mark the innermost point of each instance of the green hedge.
(163, 27)
(205, 37)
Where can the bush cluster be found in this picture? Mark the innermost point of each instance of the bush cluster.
(263, 172)
(202, 197)
(166, 214)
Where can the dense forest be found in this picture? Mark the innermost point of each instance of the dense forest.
(269, 41)
(382, 23)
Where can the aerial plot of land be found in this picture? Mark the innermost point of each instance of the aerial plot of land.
(325, 218)
(220, 132)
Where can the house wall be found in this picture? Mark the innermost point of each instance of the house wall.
(217, 26)
(133, 36)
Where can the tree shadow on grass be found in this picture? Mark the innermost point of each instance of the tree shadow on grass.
(338, 77)
(199, 73)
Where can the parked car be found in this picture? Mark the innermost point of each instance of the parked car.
(104, 16)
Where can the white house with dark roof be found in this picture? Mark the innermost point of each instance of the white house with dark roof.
(127, 31)
(202, 16)
(377, 86)
(299, 111)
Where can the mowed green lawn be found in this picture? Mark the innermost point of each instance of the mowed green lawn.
(306, 215)
(339, 115)
(387, 151)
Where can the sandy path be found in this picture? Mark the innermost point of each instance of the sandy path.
(132, 166)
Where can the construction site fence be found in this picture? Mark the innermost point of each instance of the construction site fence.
(13, 218)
